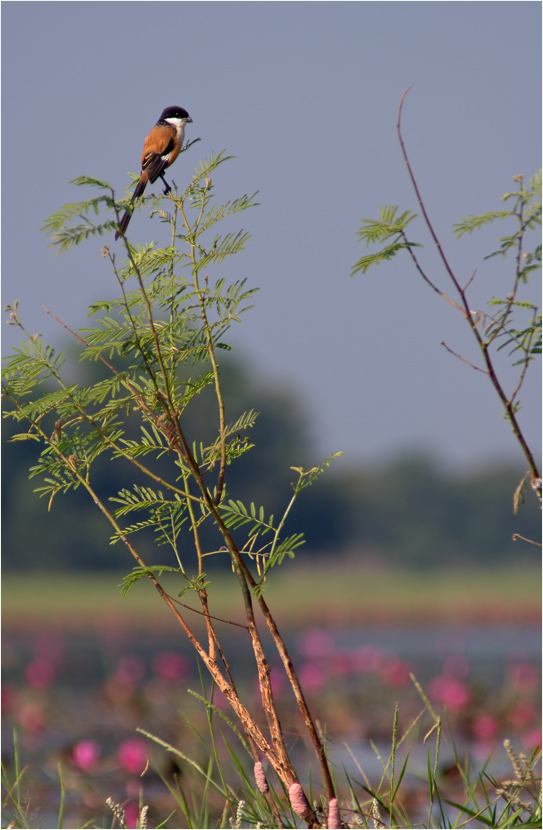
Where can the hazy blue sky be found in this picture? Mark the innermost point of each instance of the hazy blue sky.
(305, 95)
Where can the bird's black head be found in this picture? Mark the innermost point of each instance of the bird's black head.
(174, 112)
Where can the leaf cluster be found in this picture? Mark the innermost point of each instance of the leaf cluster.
(389, 226)
(158, 346)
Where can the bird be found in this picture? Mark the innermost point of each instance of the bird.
(160, 149)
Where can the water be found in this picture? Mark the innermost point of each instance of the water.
(61, 691)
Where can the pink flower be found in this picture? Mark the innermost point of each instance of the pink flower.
(450, 691)
(171, 666)
(85, 755)
(485, 727)
(40, 673)
(395, 673)
(132, 755)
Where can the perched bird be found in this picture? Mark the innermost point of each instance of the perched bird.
(160, 149)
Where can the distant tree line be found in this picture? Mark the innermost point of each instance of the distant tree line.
(407, 511)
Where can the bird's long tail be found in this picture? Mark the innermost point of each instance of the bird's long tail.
(138, 191)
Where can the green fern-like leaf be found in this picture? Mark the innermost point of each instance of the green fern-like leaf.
(388, 226)
(472, 223)
(140, 573)
(386, 253)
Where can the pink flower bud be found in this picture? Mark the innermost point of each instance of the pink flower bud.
(334, 818)
(298, 800)
(86, 755)
(132, 756)
(260, 778)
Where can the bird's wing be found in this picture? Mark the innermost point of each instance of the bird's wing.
(156, 152)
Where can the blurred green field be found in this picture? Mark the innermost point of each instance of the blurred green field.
(297, 594)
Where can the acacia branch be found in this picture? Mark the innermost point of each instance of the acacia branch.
(245, 579)
(507, 402)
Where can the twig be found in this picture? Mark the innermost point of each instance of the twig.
(463, 359)
(484, 345)
(524, 539)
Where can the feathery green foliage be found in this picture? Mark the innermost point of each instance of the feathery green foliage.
(159, 342)
(386, 227)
